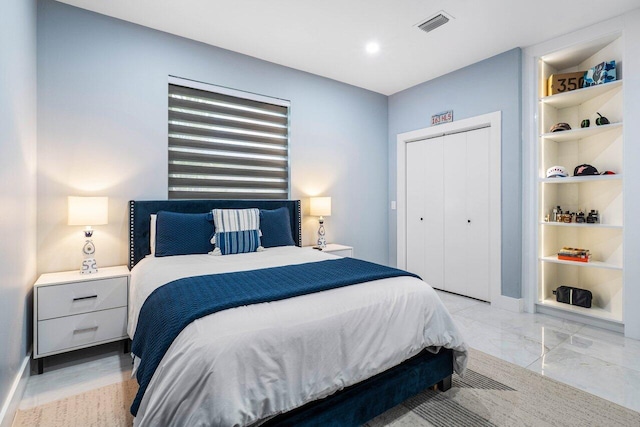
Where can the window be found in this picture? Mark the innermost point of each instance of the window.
(226, 144)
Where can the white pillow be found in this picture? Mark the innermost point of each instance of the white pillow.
(152, 234)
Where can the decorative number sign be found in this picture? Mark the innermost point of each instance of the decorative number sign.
(566, 82)
(572, 83)
(440, 118)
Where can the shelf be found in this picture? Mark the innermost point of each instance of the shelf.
(574, 134)
(592, 312)
(580, 225)
(592, 264)
(602, 146)
(578, 96)
(579, 179)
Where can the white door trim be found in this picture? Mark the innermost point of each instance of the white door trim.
(494, 121)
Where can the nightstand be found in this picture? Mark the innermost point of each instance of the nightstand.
(73, 311)
(335, 249)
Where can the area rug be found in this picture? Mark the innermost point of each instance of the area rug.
(497, 393)
(492, 393)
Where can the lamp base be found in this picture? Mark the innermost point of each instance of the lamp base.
(322, 241)
(89, 266)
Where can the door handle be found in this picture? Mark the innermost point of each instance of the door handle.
(468, 221)
(421, 219)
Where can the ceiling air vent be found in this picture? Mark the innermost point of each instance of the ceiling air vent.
(435, 22)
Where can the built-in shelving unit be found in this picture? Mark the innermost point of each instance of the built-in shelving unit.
(600, 146)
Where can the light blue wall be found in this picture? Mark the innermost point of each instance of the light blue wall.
(102, 124)
(491, 85)
(17, 186)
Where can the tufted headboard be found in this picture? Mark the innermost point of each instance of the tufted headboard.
(140, 211)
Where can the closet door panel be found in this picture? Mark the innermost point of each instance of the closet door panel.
(455, 217)
(416, 199)
(433, 187)
(477, 255)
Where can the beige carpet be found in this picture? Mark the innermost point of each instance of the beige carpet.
(492, 393)
(105, 406)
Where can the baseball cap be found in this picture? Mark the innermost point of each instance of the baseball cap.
(560, 127)
(585, 169)
(556, 172)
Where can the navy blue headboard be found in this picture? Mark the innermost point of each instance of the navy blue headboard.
(140, 211)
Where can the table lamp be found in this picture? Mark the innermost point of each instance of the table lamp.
(321, 207)
(88, 211)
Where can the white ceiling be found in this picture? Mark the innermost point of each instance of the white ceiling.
(327, 37)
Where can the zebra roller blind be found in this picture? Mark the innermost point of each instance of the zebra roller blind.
(223, 146)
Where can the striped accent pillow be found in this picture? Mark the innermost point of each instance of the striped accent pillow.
(237, 231)
(237, 242)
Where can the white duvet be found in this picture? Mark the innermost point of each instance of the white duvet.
(243, 365)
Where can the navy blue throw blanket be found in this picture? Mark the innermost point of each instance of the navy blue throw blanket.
(170, 308)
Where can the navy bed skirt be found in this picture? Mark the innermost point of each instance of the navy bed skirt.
(364, 401)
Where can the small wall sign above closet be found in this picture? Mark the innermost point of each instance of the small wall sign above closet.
(440, 118)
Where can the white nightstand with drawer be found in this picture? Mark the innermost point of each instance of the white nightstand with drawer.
(336, 249)
(73, 311)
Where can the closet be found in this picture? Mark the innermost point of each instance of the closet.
(448, 212)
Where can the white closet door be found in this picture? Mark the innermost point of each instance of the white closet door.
(477, 263)
(425, 198)
(428, 188)
(466, 225)
(433, 218)
(416, 199)
(455, 213)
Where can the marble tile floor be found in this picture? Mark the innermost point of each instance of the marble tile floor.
(600, 362)
(595, 360)
(76, 372)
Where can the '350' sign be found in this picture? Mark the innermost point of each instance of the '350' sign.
(572, 83)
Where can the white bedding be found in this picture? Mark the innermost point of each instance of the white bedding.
(242, 365)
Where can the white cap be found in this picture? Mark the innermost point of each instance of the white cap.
(556, 171)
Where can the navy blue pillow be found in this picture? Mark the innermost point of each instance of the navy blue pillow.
(276, 228)
(183, 233)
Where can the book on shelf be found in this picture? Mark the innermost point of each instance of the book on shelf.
(574, 254)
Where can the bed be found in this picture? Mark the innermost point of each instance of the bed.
(337, 357)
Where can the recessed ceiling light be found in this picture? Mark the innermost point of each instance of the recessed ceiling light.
(372, 48)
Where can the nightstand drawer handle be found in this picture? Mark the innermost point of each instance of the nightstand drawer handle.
(92, 328)
(89, 297)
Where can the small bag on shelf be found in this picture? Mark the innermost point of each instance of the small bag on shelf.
(574, 296)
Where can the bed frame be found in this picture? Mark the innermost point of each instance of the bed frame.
(351, 406)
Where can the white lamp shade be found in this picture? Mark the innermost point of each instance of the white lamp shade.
(320, 206)
(88, 210)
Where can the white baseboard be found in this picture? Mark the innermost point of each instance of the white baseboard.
(11, 403)
(507, 303)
